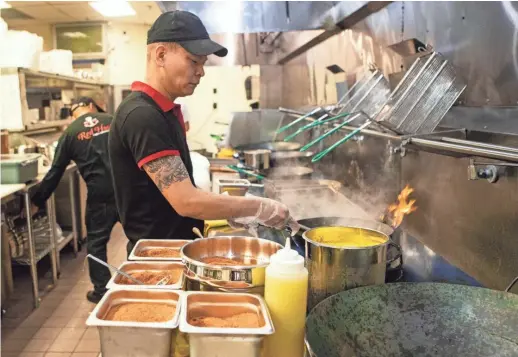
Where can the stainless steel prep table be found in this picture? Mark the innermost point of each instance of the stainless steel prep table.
(33, 256)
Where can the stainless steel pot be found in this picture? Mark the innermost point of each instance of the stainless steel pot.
(332, 269)
(257, 159)
(255, 252)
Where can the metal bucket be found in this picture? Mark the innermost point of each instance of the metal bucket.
(334, 269)
(249, 278)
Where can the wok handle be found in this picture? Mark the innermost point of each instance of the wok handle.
(321, 154)
(511, 285)
(317, 122)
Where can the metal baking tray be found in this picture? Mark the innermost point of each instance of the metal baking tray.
(145, 244)
(128, 339)
(213, 341)
(129, 267)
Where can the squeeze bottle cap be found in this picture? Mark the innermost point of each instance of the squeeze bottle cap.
(287, 258)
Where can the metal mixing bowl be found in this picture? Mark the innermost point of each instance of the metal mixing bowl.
(255, 252)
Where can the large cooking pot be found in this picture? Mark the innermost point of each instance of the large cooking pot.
(394, 255)
(248, 278)
(414, 319)
(334, 268)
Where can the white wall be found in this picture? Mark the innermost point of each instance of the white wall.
(126, 58)
(231, 97)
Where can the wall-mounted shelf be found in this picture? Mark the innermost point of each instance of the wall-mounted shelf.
(24, 83)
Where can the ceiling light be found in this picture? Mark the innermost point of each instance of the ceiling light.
(4, 5)
(113, 8)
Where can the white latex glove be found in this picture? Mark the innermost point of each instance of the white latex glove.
(271, 214)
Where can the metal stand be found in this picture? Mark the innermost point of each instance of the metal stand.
(54, 253)
(32, 250)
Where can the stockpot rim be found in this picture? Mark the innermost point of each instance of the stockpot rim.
(308, 240)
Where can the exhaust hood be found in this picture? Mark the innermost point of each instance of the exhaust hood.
(265, 16)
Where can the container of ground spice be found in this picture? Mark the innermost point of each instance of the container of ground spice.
(137, 322)
(157, 250)
(168, 274)
(227, 264)
(225, 324)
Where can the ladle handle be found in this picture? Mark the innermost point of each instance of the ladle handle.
(240, 170)
(322, 137)
(115, 269)
(317, 122)
(299, 119)
(323, 153)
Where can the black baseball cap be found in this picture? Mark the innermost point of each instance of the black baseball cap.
(83, 102)
(187, 30)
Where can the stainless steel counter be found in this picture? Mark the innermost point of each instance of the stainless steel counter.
(36, 253)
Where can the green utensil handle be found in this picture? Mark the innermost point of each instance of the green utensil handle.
(318, 122)
(323, 153)
(235, 168)
(322, 137)
(299, 119)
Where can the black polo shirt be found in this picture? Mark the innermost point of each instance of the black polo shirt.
(85, 142)
(147, 126)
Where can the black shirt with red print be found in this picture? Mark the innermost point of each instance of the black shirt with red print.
(147, 126)
(85, 142)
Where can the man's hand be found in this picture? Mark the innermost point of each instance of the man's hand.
(271, 214)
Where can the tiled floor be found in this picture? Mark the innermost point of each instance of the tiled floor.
(57, 328)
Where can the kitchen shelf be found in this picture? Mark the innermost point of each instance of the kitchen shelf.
(65, 239)
(49, 124)
(27, 83)
(40, 254)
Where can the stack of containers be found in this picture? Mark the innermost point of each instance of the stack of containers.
(20, 49)
(204, 324)
(57, 61)
(143, 338)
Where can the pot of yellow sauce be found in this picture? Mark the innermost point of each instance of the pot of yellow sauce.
(339, 258)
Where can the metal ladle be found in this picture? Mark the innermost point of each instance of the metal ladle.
(162, 281)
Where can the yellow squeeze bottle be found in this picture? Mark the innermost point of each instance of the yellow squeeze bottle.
(286, 294)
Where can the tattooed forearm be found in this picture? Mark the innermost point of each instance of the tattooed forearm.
(166, 171)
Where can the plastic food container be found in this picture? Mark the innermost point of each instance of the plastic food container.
(138, 266)
(130, 339)
(148, 244)
(19, 168)
(224, 341)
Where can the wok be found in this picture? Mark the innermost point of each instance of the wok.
(415, 319)
(272, 146)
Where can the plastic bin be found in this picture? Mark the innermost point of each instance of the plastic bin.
(18, 168)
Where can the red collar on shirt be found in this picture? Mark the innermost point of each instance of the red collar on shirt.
(164, 103)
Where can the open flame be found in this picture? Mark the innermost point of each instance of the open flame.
(398, 210)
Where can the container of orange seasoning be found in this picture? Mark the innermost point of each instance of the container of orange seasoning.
(223, 324)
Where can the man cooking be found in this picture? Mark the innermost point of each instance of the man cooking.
(85, 142)
(152, 170)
